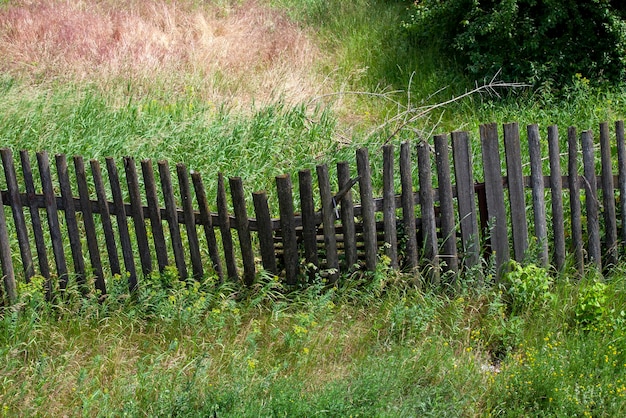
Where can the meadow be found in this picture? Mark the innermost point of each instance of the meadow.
(257, 89)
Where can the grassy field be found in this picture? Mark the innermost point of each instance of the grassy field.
(256, 89)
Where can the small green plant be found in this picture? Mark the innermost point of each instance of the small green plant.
(591, 307)
(527, 286)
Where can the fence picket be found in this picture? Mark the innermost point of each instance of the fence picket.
(591, 199)
(328, 220)
(139, 222)
(90, 226)
(309, 228)
(495, 193)
(154, 213)
(10, 288)
(190, 221)
(207, 222)
(243, 229)
(427, 205)
(53, 220)
(621, 163)
(556, 186)
(265, 233)
(18, 213)
(367, 208)
(389, 207)
(574, 192)
(515, 179)
(70, 219)
(288, 228)
(408, 205)
(122, 224)
(347, 216)
(227, 237)
(171, 216)
(446, 204)
(608, 197)
(538, 192)
(466, 197)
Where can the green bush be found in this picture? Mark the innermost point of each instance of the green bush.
(539, 41)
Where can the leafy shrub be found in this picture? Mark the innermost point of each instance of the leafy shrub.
(527, 286)
(540, 41)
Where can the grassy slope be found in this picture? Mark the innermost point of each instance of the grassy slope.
(375, 347)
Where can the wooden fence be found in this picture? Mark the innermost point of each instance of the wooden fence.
(446, 228)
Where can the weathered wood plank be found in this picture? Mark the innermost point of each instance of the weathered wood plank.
(591, 199)
(53, 219)
(466, 197)
(347, 216)
(495, 194)
(538, 193)
(427, 204)
(328, 220)
(608, 197)
(265, 233)
(446, 203)
(515, 178)
(367, 208)
(207, 223)
(139, 222)
(227, 237)
(154, 213)
(575, 205)
(105, 217)
(621, 162)
(172, 218)
(389, 206)
(288, 228)
(70, 220)
(90, 225)
(18, 213)
(408, 205)
(122, 225)
(558, 218)
(190, 221)
(309, 227)
(243, 229)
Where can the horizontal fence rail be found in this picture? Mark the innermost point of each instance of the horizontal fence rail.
(88, 225)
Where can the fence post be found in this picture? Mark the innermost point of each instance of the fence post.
(538, 192)
(408, 205)
(558, 218)
(608, 197)
(172, 218)
(515, 178)
(465, 193)
(347, 216)
(288, 228)
(122, 224)
(575, 206)
(591, 199)
(5, 258)
(190, 221)
(227, 238)
(266, 235)
(446, 203)
(389, 206)
(139, 221)
(429, 225)
(621, 159)
(243, 229)
(367, 208)
(18, 213)
(309, 228)
(328, 220)
(495, 194)
(207, 223)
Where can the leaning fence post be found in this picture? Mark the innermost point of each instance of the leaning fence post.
(574, 198)
(347, 215)
(243, 229)
(408, 205)
(328, 220)
(265, 232)
(427, 203)
(5, 257)
(309, 228)
(227, 237)
(139, 221)
(190, 220)
(558, 218)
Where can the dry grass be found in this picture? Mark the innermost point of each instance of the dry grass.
(231, 52)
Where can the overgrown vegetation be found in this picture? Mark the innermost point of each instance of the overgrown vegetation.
(330, 76)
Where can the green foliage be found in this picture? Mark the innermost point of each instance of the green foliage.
(527, 286)
(541, 41)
